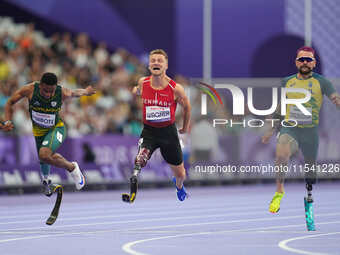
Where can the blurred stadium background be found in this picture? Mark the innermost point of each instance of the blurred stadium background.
(106, 43)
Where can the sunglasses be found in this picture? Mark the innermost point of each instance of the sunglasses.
(303, 59)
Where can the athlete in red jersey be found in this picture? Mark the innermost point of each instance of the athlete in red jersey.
(159, 105)
(160, 95)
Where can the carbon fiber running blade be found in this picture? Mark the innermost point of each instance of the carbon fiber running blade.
(309, 213)
(55, 212)
(126, 197)
(133, 191)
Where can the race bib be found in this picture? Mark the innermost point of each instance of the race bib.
(157, 113)
(43, 119)
(297, 115)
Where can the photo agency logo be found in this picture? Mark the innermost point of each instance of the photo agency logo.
(298, 113)
(211, 91)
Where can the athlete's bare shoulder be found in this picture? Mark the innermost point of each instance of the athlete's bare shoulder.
(137, 90)
(167, 78)
(141, 80)
(179, 92)
(180, 97)
(26, 90)
(179, 88)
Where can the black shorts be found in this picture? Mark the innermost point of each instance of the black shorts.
(165, 138)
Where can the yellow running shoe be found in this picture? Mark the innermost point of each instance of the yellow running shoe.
(274, 206)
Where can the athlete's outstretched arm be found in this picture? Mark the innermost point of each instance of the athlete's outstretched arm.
(23, 92)
(335, 98)
(183, 100)
(329, 90)
(137, 90)
(68, 93)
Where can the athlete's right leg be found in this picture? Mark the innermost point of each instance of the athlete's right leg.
(47, 146)
(285, 148)
(146, 146)
(46, 181)
(140, 161)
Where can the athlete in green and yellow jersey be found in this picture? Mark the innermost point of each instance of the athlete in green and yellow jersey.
(303, 134)
(45, 99)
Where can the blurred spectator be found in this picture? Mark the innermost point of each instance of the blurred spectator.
(89, 156)
(4, 67)
(26, 53)
(204, 140)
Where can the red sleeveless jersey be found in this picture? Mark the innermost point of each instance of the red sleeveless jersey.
(159, 106)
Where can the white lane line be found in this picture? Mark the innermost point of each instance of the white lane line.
(134, 252)
(137, 214)
(80, 210)
(150, 232)
(164, 219)
(151, 212)
(283, 244)
(121, 215)
(233, 221)
(178, 225)
(29, 238)
(102, 231)
(69, 209)
(32, 232)
(128, 246)
(151, 229)
(105, 204)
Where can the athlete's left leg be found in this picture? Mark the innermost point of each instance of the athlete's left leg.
(48, 144)
(45, 169)
(310, 177)
(309, 147)
(172, 153)
(179, 173)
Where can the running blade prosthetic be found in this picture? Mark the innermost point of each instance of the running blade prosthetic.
(309, 213)
(56, 188)
(133, 191)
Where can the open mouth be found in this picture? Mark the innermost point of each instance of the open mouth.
(156, 69)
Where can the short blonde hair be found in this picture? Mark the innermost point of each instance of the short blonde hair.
(159, 51)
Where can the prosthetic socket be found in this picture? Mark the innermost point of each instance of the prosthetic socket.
(141, 160)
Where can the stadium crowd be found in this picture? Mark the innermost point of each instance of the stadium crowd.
(25, 54)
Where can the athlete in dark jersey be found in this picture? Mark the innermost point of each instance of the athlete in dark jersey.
(160, 96)
(45, 99)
